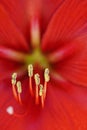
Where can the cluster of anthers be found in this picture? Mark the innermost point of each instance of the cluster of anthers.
(40, 89)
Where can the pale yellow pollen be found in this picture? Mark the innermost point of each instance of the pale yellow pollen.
(30, 70)
(41, 90)
(13, 82)
(37, 79)
(14, 76)
(19, 87)
(46, 75)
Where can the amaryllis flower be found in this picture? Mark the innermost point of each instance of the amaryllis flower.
(43, 65)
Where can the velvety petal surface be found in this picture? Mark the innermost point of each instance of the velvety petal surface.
(69, 27)
(20, 8)
(7, 68)
(69, 21)
(10, 36)
(48, 9)
(74, 68)
(65, 109)
(66, 104)
(16, 11)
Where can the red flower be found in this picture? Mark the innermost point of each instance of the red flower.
(48, 34)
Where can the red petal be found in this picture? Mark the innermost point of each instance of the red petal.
(7, 68)
(11, 54)
(74, 68)
(48, 9)
(16, 10)
(8, 121)
(64, 110)
(64, 52)
(68, 21)
(10, 36)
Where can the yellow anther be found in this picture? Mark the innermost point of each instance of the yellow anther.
(13, 81)
(19, 87)
(41, 90)
(30, 70)
(37, 79)
(14, 75)
(46, 75)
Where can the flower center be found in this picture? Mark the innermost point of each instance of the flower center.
(39, 91)
(37, 58)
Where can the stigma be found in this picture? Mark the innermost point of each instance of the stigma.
(38, 91)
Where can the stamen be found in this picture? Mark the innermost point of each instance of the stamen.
(14, 75)
(30, 70)
(37, 82)
(47, 78)
(13, 81)
(17, 87)
(19, 90)
(30, 74)
(46, 75)
(41, 92)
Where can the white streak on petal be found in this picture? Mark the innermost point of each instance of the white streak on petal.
(10, 110)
